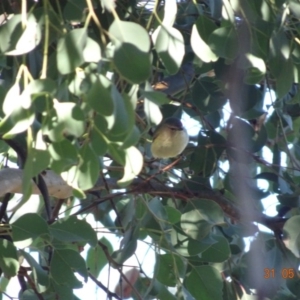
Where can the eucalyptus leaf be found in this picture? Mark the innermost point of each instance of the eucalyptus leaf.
(133, 165)
(131, 54)
(204, 282)
(29, 227)
(72, 229)
(224, 42)
(199, 217)
(169, 45)
(62, 267)
(70, 51)
(8, 258)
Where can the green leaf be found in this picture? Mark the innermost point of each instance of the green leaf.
(152, 112)
(280, 62)
(9, 262)
(96, 259)
(63, 155)
(131, 41)
(196, 247)
(207, 96)
(22, 120)
(10, 33)
(173, 214)
(159, 218)
(63, 291)
(70, 119)
(204, 159)
(63, 265)
(256, 69)
(285, 78)
(88, 168)
(98, 139)
(204, 282)
(199, 39)
(13, 93)
(127, 250)
(16, 40)
(40, 87)
(40, 161)
(122, 121)
(199, 217)
(92, 51)
(205, 27)
(169, 269)
(74, 10)
(218, 252)
(170, 12)
(133, 165)
(70, 229)
(18, 111)
(169, 45)
(99, 96)
(108, 4)
(261, 33)
(27, 228)
(132, 138)
(40, 276)
(69, 54)
(36, 162)
(117, 153)
(224, 42)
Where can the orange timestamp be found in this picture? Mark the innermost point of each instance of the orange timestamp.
(285, 273)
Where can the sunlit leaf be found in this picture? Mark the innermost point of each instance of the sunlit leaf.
(16, 40)
(133, 165)
(70, 119)
(169, 45)
(131, 54)
(199, 38)
(70, 51)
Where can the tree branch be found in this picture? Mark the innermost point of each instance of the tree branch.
(11, 182)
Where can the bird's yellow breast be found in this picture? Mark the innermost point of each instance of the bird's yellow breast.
(169, 143)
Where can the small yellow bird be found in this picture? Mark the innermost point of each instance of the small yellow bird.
(169, 139)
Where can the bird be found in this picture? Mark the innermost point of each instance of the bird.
(169, 139)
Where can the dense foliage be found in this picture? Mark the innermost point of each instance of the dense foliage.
(83, 83)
